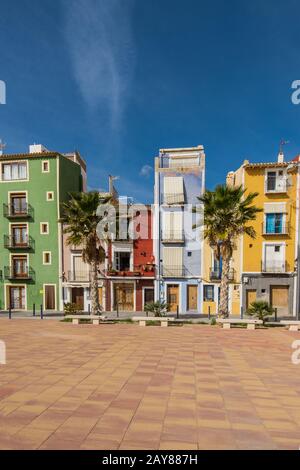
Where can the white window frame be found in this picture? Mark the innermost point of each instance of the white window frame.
(50, 258)
(11, 162)
(47, 196)
(41, 228)
(48, 164)
(284, 176)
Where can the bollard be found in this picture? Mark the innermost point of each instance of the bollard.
(275, 312)
(117, 309)
(42, 313)
(9, 312)
(209, 313)
(177, 312)
(242, 312)
(33, 310)
(89, 309)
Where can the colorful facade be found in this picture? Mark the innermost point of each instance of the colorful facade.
(130, 272)
(32, 187)
(178, 248)
(266, 267)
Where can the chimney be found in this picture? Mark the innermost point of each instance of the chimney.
(280, 158)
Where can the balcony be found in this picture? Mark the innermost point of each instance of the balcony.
(276, 230)
(12, 243)
(11, 274)
(216, 274)
(274, 267)
(275, 185)
(11, 212)
(173, 236)
(174, 198)
(79, 276)
(173, 271)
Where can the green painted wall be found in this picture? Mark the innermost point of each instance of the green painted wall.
(64, 176)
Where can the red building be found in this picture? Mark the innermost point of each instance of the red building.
(131, 267)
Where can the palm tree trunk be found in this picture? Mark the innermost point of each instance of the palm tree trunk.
(94, 288)
(223, 308)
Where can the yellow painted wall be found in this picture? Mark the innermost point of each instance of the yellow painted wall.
(254, 181)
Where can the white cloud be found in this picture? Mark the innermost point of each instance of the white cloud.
(146, 171)
(99, 36)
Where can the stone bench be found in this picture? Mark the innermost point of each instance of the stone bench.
(251, 324)
(294, 325)
(94, 319)
(164, 321)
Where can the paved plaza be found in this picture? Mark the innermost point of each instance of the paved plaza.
(126, 387)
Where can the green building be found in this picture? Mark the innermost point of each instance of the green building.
(32, 187)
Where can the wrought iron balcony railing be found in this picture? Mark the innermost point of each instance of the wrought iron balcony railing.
(173, 198)
(274, 267)
(12, 212)
(173, 271)
(216, 274)
(26, 274)
(14, 243)
(276, 229)
(79, 276)
(173, 236)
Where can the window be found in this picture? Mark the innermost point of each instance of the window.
(50, 196)
(14, 171)
(173, 190)
(18, 204)
(271, 181)
(277, 249)
(46, 257)
(122, 261)
(274, 223)
(173, 226)
(19, 235)
(276, 181)
(44, 228)
(208, 293)
(189, 254)
(45, 166)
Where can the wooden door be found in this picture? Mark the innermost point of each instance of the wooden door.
(19, 235)
(17, 298)
(78, 297)
(250, 297)
(280, 299)
(124, 297)
(192, 297)
(173, 297)
(148, 295)
(20, 267)
(49, 297)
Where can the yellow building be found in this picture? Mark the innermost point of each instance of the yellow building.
(266, 267)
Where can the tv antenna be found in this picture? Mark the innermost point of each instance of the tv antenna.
(2, 147)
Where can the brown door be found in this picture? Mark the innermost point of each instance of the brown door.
(77, 297)
(18, 204)
(250, 297)
(192, 296)
(148, 296)
(280, 299)
(49, 297)
(20, 267)
(124, 297)
(17, 297)
(19, 235)
(173, 297)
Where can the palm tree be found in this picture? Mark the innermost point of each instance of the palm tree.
(81, 220)
(227, 213)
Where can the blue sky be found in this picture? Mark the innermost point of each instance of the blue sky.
(119, 79)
